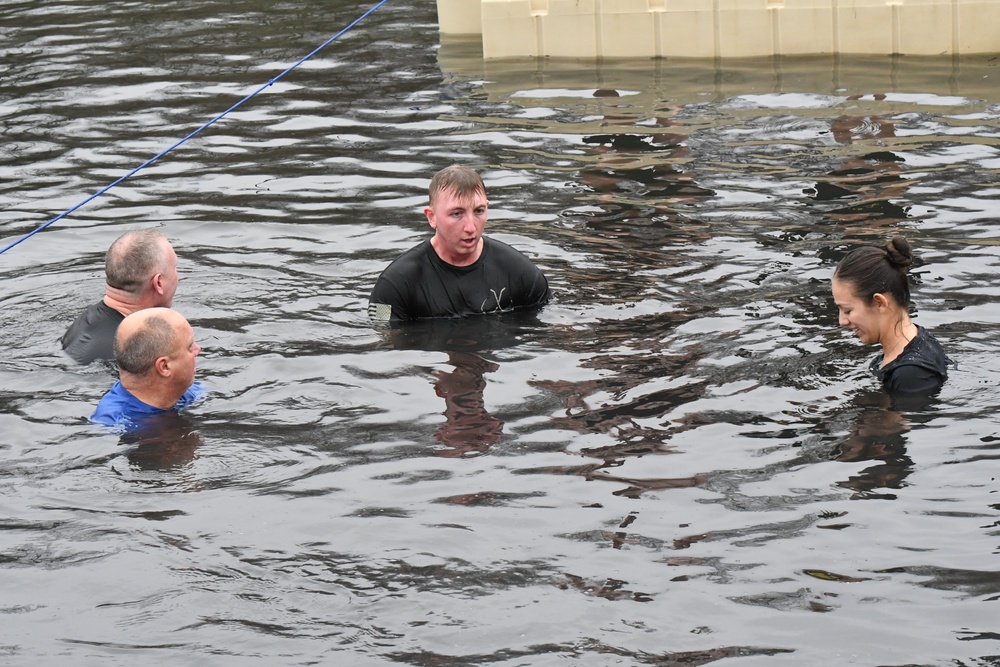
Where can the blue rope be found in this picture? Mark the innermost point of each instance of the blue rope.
(203, 127)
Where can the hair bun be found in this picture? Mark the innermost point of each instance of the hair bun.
(897, 252)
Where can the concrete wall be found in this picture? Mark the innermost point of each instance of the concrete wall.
(723, 28)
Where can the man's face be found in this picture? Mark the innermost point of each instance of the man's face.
(169, 274)
(458, 224)
(184, 356)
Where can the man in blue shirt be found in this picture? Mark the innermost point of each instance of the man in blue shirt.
(156, 353)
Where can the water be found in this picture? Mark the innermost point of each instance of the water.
(681, 460)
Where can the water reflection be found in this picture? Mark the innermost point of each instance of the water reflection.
(469, 429)
(867, 186)
(163, 442)
(879, 435)
(635, 176)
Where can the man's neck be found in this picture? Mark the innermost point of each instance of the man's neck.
(126, 303)
(460, 260)
(157, 396)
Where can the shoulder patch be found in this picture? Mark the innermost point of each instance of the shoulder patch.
(380, 312)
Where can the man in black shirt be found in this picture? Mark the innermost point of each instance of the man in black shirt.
(458, 271)
(141, 272)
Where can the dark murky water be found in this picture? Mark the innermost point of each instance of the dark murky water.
(681, 461)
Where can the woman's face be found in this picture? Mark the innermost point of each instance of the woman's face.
(864, 319)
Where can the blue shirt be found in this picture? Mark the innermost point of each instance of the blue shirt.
(120, 408)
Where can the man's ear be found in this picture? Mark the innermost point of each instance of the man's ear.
(157, 283)
(162, 366)
(429, 212)
(880, 301)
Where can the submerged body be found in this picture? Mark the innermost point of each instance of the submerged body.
(120, 408)
(458, 271)
(156, 355)
(920, 368)
(872, 294)
(140, 272)
(419, 284)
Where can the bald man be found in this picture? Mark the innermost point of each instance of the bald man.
(140, 272)
(156, 352)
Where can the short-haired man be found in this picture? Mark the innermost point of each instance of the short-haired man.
(458, 271)
(141, 272)
(156, 351)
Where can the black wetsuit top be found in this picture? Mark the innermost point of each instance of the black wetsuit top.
(92, 335)
(419, 284)
(921, 367)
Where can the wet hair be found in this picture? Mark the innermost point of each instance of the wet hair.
(138, 353)
(871, 270)
(459, 179)
(133, 259)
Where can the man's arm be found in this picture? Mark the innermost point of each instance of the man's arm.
(386, 303)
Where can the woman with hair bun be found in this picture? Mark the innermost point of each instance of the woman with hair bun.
(872, 294)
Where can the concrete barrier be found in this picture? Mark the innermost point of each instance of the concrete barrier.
(723, 28)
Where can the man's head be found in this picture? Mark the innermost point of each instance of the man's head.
(156, 352)
(141, 269)
(462, 182)
(458, 214)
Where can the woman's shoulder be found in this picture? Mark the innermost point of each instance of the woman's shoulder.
(922, 365)
(926, 348)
